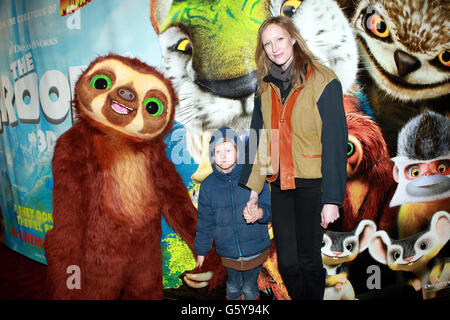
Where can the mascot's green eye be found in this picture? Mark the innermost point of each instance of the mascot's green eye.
(350, 149)
(101, 82)
(154, 106)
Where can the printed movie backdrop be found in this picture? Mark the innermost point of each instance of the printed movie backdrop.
(394, 67)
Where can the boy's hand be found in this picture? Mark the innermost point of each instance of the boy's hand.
(254, 215)
(200, 260)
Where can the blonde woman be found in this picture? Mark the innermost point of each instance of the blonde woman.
(300, 126)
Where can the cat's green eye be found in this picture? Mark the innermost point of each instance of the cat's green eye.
(101, 82)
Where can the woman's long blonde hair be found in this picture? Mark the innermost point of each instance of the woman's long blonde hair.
(302, 55)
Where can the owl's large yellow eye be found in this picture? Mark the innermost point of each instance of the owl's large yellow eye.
(288, 8)
(376, 24)
(184, 46)
(444, 58)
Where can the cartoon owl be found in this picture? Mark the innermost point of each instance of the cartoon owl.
(405, 58)
(208, 49)
(112, 183)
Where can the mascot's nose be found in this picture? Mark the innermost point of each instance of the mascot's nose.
(405, 63)
(231, 88)
(126, 94)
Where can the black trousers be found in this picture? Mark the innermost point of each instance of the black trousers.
(296, 217)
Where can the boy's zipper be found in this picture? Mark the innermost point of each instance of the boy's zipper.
(234, 217)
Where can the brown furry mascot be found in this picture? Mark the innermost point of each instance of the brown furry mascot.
(112, 182)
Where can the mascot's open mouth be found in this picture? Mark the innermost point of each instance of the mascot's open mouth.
(334, 257)
(120, 108)
(411, 262)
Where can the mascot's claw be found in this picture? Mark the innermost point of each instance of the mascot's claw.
(198, 280)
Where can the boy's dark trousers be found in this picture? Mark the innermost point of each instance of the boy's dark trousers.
(296, 217)
(242, 284)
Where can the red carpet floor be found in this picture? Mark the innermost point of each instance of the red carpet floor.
(20, 277)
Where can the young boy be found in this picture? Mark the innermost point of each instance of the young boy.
(241, 237)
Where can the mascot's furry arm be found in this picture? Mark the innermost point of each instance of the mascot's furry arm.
(69, 192)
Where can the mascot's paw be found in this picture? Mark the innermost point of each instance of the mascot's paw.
(212, 273)
(198, 280)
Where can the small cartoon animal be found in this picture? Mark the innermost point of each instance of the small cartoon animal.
(112, 183)
(422, 171)
(415, 253)
(339, 248)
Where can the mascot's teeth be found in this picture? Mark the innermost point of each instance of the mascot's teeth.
(120, 108)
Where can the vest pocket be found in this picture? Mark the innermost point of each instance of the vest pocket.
(308, 166)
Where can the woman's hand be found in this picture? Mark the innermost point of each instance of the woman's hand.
(252, 201)
(330, 213)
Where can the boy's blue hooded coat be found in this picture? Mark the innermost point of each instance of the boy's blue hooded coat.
(220, 211)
